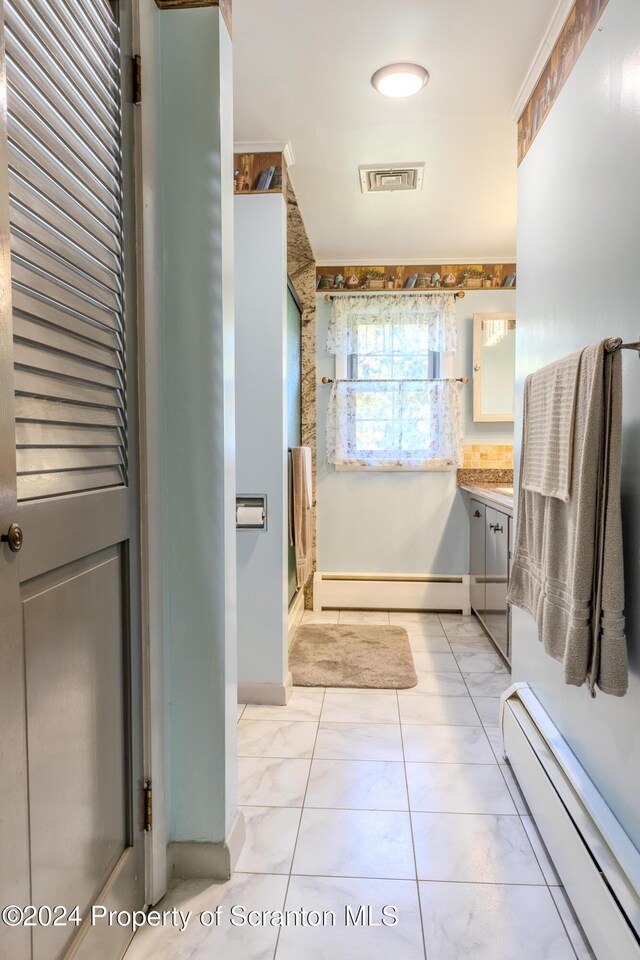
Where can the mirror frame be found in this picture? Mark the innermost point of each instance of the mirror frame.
(478, 416)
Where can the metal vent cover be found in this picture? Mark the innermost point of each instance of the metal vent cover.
(392, 177)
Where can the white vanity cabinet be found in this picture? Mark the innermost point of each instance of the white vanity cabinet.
(489, 555)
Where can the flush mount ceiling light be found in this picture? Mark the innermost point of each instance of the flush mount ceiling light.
(400, 79)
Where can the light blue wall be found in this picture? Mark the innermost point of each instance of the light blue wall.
(578, 255)
(195, 175)
(261, 425)
(414, 523)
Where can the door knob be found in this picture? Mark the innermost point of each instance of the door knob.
(13, 537)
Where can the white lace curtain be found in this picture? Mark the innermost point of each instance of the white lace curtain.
(394, 424)
(433, 314)
(388, 423)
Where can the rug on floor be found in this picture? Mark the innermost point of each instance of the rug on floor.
(370, 656)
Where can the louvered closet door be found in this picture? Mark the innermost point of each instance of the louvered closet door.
(66, 247)
(69, 467)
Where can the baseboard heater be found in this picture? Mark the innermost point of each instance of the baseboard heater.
(372, 591)
(594, 857)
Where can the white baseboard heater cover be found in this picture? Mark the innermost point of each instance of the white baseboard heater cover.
(596, 860)
(373, 591)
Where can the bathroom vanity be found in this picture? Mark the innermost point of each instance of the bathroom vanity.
(491, 536)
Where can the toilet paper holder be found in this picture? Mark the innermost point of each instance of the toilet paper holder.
(251, 512)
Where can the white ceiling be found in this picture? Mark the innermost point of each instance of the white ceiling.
(302, 73)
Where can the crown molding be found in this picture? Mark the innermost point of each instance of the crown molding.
(416, 262)
(543, 53)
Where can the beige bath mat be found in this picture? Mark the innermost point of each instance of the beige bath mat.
(346, 655)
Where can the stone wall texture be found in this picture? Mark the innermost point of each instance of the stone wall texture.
(302, 274)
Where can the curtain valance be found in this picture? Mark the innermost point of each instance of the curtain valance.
(353, 317)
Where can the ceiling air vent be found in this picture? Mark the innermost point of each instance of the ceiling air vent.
(400, 176)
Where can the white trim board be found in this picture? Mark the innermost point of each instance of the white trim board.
(417, 262)
(276, 694)
(539, 61)
(377, 591)
(192, 860)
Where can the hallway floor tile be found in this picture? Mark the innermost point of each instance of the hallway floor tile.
(404, 941)
(501, 922)
(372, 799)
(271, 834)
(357, 785)
(458, 788)
(444, 744)
(359, 741)
(355, 843)
(292, 739)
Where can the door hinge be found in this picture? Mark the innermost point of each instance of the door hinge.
(148, 806)
(136, 79)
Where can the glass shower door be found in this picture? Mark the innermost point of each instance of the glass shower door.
(294, 404)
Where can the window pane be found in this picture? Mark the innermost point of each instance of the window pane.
(393, 422)
(374, 406)
(378, 435)
(410, 368)
(375, 368)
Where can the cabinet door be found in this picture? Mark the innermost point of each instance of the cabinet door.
(497, 558)
(510, 549)
(477, 556)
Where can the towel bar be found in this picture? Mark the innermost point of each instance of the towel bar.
(326, 380)
(615, 343)
(459, 294)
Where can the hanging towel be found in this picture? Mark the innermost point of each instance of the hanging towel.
(551, 403)
(301, 506)
(306, 456)
(568, 569)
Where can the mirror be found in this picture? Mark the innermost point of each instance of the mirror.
(494, 361)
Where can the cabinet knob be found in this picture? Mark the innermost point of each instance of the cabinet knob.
(477, 514)
(496, 527)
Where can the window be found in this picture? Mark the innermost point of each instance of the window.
(386, 425)
(388, 408)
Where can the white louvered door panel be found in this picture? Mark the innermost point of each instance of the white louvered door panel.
(71, 730)
(65, 189)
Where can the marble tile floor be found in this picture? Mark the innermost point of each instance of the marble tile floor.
(385, 799)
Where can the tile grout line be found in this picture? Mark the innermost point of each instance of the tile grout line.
(413, 842)
(520, 815)
(453, 883)
(548, 885)
(569, 938)
(295, 845)
(533, 850)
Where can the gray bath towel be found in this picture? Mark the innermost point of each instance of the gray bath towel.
(551, 404)
(568, 569)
